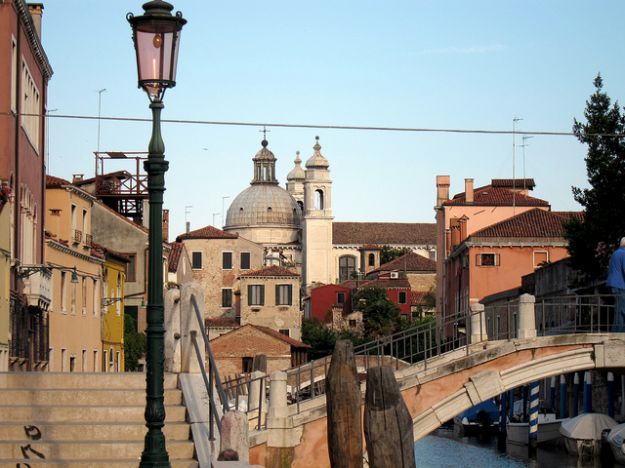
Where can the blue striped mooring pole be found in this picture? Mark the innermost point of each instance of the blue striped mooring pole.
(533, 434)
(610, 394)
(562, 397)
(587, 392)
(575, 395)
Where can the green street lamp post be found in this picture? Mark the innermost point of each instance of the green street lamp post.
(156, 37)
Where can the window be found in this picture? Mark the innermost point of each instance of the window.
(96, 296)
(284, 294)
(30, 105)
(226, 260)
(64, 292)
(340, 298)
(285, 332)
(95, 360)
(319, 200)
(540, 258)
(245, 260)
(84, 221)
(83, 366)
(84, 296)
(255, 294)
(196, 260)
(347, 267)
(371, 259)
(402, 297)
(226, 298)
(246, 364)
(487, 259)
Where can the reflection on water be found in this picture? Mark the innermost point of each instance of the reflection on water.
(444, 449)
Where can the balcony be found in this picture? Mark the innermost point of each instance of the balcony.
(76, 236)
(38, 288)
(88, 240)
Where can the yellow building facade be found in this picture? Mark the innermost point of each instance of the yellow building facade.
(113, 311)
(75, 343)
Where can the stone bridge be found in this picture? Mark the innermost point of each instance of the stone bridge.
(438, 390)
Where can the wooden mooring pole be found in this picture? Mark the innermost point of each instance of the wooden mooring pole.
(388, 425)
(343, 408)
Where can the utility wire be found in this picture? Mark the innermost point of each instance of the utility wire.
(319, 126)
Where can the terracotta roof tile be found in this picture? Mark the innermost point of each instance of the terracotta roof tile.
(287, 339)
(516, 183)
(270, 271)
(401, 283)
(207, 232)
(352, 284)
(534, 223)
(383, 233)
(174, 256)
(496, 196)
(408, 262)
(56, 182)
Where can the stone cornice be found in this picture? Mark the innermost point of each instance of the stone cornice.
(63, 248)
(33, 38)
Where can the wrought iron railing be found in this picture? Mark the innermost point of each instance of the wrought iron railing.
(575, 314)
(77, 236)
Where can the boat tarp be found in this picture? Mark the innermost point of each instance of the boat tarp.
(617, 435)
(587, 426)
(489, 406)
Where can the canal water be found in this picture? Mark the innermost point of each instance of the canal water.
(445, 450)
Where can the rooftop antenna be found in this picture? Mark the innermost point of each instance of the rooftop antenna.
(524, 138)
(187, 224)
(514, 121)
(100, 91)
(215, 214)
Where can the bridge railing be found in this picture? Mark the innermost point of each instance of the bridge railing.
(404, 348)
(574, 314)
(502, 320)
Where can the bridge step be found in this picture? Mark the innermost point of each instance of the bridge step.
(85, 419)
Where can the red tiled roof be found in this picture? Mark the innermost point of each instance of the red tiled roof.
(122, 174)
(516, 183)
(568, 215)
(408, 262)
(496, 196)
(401, 283)
(287, 339)
(270, 271)
(534, 223)
(114, 253)
(351, 284)
(383, 233)
(174, 256)
(221, 322)
(418, 297)
(207, 232)
(56, 182)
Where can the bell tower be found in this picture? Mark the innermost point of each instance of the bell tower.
(317, 231)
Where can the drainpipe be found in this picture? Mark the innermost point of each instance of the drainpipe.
(575, 411)
(562, 397)
(610, 394)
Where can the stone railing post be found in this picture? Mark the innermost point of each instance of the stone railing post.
(281, 436)
(527, 317)
(478, 323)
(253, 396)
(234, 434)
(188, 323)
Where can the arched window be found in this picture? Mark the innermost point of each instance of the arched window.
(371, 259)
(319, 202)
(347, 267)
(301, 205)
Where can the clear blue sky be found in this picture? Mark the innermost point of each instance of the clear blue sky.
(443, 64)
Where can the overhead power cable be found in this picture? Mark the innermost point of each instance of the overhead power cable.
(375, 128)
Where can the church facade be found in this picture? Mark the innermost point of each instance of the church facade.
(296, 228)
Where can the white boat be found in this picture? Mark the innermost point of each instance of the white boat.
(548, 430)
(582, 434)
(616, 437)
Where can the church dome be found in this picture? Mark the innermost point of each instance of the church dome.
(263, 204)
(317, 160)
(297, 173)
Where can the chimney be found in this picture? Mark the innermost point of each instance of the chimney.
(77, 178)
(35, 10)
(442, 190)
(468, 190)
(165, 225)
(187, 227)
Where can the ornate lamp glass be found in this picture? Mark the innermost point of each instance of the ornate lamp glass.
(156, 35)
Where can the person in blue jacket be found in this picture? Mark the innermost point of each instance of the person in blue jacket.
(616, 280)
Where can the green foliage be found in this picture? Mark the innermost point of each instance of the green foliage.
(135, 344)
(389, 253)
(320, 338)
(380, 315)
(592, 240)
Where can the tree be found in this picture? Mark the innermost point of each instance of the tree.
(135, 344)
(389, 253)
(319, 337)
(380, 315)
(592, 239)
